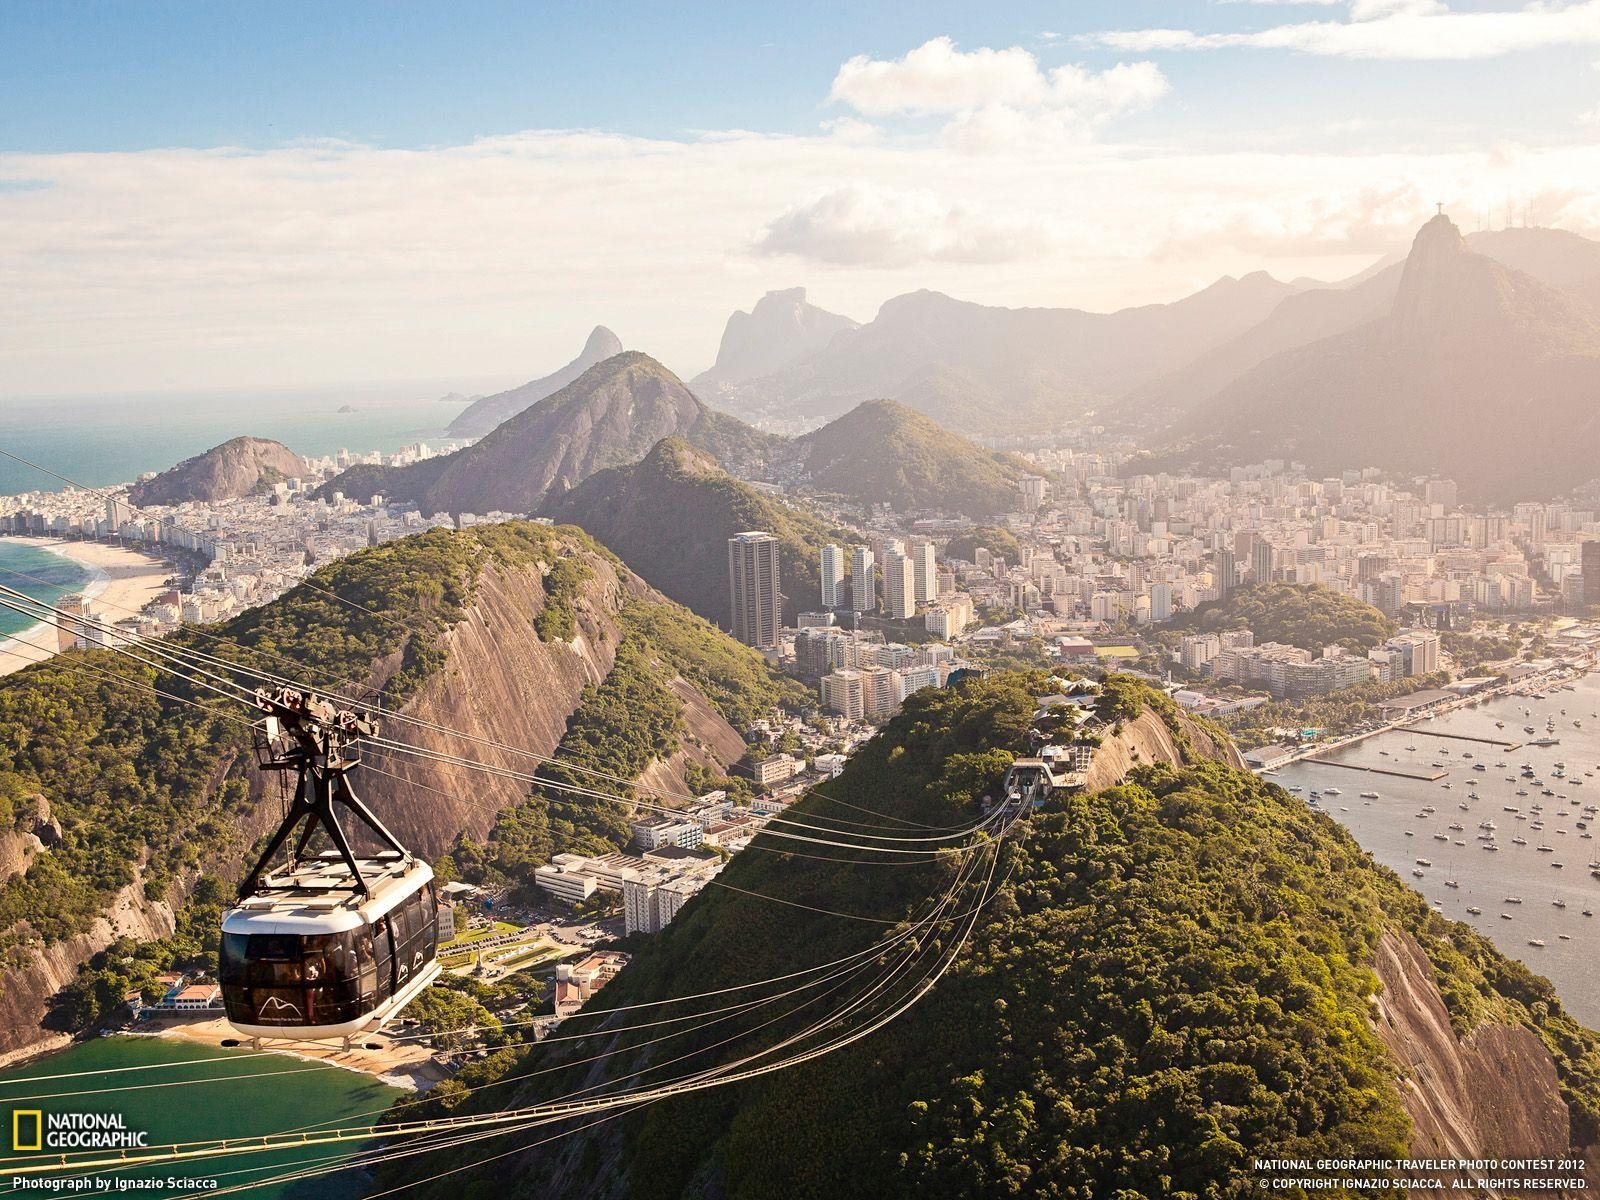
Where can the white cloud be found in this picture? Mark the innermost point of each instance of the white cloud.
(323, 260)
(1367, 220)
(1393, 29)
(871, 226)
(988, 89)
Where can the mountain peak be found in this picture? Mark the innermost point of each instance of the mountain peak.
(1432, 298)
(781, 328)
(602, 344)
(482, 415)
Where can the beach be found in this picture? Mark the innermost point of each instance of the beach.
(121, 582)
(399, 1064)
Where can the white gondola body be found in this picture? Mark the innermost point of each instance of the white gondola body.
(308, 958)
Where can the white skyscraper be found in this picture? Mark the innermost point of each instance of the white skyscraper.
(899, 583)
(925, 567)
(833, 566)
(1160, 601)
(863, 580)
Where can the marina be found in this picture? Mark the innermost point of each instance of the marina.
(1512, 850)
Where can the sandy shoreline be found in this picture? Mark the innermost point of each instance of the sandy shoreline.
(407, 1065)
(122, 582)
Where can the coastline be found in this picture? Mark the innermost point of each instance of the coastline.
(406, 1065)
(122, 580)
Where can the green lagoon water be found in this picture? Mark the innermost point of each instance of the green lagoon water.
(176, 1103)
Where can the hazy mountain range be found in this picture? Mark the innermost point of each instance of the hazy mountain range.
(612, 414)
(1495, 330)
(957, 361)
(1474, 370)
(609, 416)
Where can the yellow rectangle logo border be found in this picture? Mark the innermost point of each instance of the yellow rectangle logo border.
(16, 1129)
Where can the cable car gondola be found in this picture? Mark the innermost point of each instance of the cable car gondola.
(331, 945)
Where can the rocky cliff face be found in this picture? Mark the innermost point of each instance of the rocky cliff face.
(781, 328)
(503, 684)
(1491, 1094)
(236, 468)
(1148, 739)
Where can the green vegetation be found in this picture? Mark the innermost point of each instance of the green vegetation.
(1175, 978)
(557, 621)
(631, 719)
(619, 727)
(993, 538)
(1472, 651)
(671, 515)
(738, 681)
(882, 452)
(460, 1010)
(1307, 615)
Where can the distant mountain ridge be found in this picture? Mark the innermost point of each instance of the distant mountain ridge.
(483, 414)
(1556, 257)
(1477, 371)
(1038, 364)
(238, 467)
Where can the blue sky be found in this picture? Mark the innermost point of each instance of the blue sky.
(124, 76)
(200, 193)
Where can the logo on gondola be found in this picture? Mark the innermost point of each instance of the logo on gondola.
(275, 1005)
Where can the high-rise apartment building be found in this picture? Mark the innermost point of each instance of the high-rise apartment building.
(899, 583)
(753, 588)
(925, 568)
(1591, 572)
(1224, 567)
(863, 580)
(833, 576)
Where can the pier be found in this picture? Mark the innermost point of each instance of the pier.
(1459, 737)
(1426, 778)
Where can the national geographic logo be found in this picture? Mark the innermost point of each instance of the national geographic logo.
(33, 1129)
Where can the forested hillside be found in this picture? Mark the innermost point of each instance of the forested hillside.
(508, 632)
(671, 516)
(1179, 974)
(1307, 615)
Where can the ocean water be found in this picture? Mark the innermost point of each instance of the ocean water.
(40, 574)
(101, 440)
(1397, 831)
(175, 1104)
